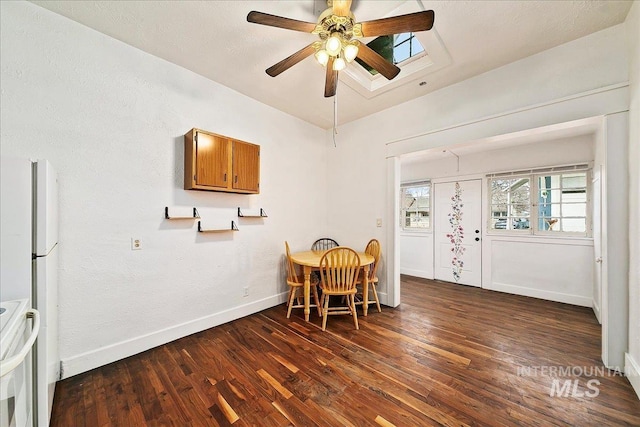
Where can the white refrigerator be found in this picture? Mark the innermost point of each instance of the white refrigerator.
(29, 263)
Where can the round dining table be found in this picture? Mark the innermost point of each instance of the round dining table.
(310, 260)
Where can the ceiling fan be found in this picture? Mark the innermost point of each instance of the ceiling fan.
(338, 32)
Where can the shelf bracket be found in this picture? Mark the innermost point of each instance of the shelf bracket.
(167, 216)
(262, 214)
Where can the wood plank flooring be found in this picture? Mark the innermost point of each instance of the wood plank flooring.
(448, 355)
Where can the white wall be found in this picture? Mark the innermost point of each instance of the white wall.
(596, 61)
(416, 254)
(554, 269)
(633, 356)
(111, 120)
(544, 153)
(580, 79)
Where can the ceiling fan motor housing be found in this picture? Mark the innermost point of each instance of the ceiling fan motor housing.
(328, 23)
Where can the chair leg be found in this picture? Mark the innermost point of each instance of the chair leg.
(325, 311)
(375, 296)
(353, 310)
(315, 297)
(292, 296)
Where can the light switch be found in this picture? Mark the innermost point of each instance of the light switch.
(379, 222)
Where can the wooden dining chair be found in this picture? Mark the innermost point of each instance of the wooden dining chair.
(373, 249)
(339, 270)
(324, 244)
(296, 282)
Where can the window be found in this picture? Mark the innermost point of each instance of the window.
(511, 203)
(395, 49)
(415, 205)
(542, 203)
(405, 46)
(562, 202)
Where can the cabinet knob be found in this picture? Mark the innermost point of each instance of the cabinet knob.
(225, 177)
(477, 239)
(236, 179)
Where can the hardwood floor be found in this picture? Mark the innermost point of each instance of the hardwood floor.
(448, 355)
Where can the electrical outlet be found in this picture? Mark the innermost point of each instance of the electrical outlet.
(246, 291)
(379, 222)
(136, 244)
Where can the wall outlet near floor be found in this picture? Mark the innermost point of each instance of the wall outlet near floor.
(379, 222)
(136, 244)
(245, 291)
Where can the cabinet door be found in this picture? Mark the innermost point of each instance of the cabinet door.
(212, 160)
(246, 166)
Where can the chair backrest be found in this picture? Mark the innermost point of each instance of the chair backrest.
(324, 244)
(291, 269)
(339, 269)
(373, 249)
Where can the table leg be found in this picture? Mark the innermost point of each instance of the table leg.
(365, 291)
(307, 291)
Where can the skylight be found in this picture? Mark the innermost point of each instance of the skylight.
(417, 54)
(395, 48)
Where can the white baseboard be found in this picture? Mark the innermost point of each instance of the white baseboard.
(416, 273)
(596, 311)
(92, 359)
(632, 372)
(383, 297)
(542, 294)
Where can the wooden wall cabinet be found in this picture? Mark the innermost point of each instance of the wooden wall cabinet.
(219, 163)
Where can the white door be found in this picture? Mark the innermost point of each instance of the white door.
(597, 242)
(457, 232)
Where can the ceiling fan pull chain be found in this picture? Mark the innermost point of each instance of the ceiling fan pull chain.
(335, 116)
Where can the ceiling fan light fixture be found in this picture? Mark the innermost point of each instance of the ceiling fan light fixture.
(322, 57)
(334, 44)
(350, 52)
(339, 64)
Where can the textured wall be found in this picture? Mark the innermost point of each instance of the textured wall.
(589, 63)
(110, 118)
(633, 34)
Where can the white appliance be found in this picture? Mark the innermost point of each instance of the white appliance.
(16, 373)
(29, 263)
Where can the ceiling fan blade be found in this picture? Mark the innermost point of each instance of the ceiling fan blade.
(280, 22)
(412, 22)
(331, 82)
(290, 61)
(341, 7)
(373, 59)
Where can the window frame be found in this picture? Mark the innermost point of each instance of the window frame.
(410, 40)
(390, 54)
(490, 203)
(534, 188)
(403, 210)
(535, 204)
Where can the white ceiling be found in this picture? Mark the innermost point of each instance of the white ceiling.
(214, 39)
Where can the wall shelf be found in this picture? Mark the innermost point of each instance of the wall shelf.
(167, 216)
(217, 230)
(261, 214)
